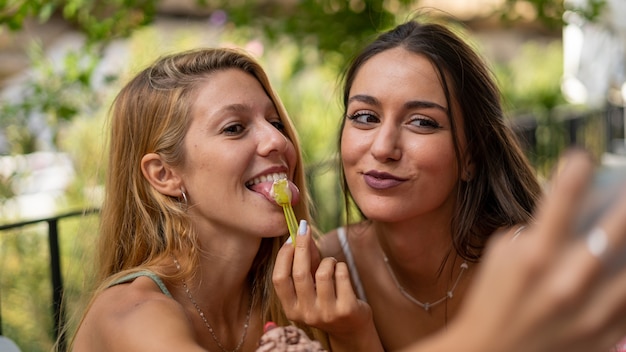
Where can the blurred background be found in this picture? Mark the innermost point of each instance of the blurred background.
(559, 63)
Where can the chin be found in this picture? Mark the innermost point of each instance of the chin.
(270, 230)
(384, 214)
(274, 237)
(275, 234)
(390, 218)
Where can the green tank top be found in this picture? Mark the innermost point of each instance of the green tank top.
(157, 280)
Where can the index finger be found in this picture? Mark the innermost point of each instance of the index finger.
(301, 272)
(281, 276)
(558, 208)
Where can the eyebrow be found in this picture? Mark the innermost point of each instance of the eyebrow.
(235, 108)
(413, 104)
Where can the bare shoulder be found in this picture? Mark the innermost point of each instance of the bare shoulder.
(135, 316)
(330, 246)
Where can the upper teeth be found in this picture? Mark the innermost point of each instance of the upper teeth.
(267, 178)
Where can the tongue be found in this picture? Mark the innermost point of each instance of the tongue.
(265, 189)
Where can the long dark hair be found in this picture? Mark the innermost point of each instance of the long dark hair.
(503, 189)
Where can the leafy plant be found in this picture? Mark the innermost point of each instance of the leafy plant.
(99, 20)
(51, 95)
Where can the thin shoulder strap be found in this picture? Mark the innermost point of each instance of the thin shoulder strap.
(347, 252)
(132, 276)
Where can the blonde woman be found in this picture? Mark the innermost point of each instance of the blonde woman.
(189, 232)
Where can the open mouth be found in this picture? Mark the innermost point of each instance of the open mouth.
(266, 178)
(263, 185)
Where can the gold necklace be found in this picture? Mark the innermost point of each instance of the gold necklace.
(427, 305)
(206, 322)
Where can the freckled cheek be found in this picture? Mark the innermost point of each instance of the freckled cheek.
(197, 157)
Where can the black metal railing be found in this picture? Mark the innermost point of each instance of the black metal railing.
(58, 312)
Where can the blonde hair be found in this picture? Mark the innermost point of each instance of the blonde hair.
(142, 229)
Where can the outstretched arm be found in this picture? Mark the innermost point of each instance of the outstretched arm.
(548, 290)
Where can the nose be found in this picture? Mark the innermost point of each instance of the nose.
(386, 144)
(272, 140)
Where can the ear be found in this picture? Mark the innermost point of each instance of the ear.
(160, 175)
(469, 169)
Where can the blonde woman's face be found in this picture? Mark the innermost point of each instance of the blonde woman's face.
(235, 137)
(397, 147)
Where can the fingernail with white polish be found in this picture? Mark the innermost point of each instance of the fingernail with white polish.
(288, 240)
(302, 228)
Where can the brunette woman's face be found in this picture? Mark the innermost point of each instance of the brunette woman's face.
(236, 139)
(397, 145)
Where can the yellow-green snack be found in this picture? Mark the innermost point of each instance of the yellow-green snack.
(282, 196)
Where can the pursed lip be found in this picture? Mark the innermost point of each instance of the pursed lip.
(382, 180)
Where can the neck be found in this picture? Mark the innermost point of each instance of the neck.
(226, 326)
(220, 281)
(416, 252)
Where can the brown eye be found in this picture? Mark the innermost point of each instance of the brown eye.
(233, 129)
(422, 122)
(279, 125)
(363, 117)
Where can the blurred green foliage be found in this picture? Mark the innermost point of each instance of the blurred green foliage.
(25, 281)
(56, 93)
(319, 31)
(530, 85)
(100, 20)
(550, 12)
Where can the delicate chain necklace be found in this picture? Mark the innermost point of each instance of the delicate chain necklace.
(206, 322)
(428, 305)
